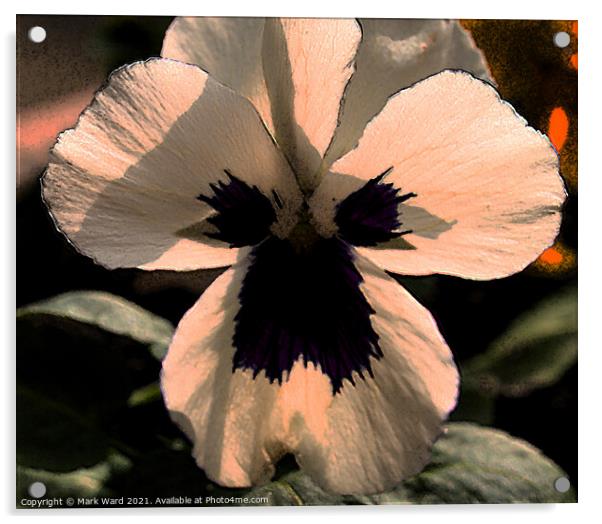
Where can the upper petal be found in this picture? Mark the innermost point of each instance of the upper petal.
(393, 55)
(307, 64)
(229, 49)
(124, 184)
(294, 70)
(488, 192)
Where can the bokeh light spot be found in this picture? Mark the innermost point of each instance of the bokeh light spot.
(558, 127)
(551, 256)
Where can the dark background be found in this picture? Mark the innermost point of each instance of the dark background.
(532, 74)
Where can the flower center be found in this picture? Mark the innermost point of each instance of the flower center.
(301, 297)
(304, 304)
(244, 214)
(370, 215)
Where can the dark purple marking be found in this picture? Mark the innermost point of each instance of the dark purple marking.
(304, 300)
(244, 213)
(370, 215)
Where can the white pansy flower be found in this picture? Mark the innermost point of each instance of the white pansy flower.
(310, 155)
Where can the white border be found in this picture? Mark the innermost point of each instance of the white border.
(553, 9)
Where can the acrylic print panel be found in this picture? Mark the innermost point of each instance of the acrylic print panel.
(295, 261)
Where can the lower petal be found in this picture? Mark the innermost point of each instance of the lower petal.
(363, 439)
(371, 436)
(225, 414)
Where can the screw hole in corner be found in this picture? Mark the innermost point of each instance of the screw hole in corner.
(37, 490)
(562, 484)
(562, 39)
(37, 34)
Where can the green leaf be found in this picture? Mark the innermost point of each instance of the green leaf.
(110, 313)
(297, 489)
(54, 435)
(474, 464)
(168, 473)
(536, 350)
(470, 464)
(79, 358)
(145, 395)
(85, 482)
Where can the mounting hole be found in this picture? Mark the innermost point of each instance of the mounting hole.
(562, 484)
(37, 490)
(37, 34)
(562, 39)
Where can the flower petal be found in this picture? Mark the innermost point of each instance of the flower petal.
(225, 414)
(374, 434)
(229, 49)
(294, 70)
(124, 184)
(488, 192)
(393, 55)
(364, 439)
(307, 64)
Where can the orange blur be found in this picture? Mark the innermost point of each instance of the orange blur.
(558, 128)
(37, 129)
(574, 29)
(551, 256)
(556, 260)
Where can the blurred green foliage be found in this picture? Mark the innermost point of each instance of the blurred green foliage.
(534, 352)
(91, 420)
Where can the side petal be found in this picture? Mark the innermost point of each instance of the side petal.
(487, 190)
(393, 55)
(229, 49)
(124, 184)
(371, 436)
(225, 414)
(307, 64)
